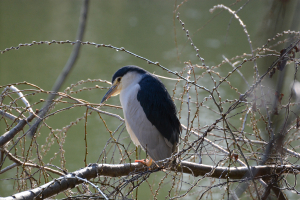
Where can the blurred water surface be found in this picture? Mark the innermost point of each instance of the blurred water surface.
(149, 29)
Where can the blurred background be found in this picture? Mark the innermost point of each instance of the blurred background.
(149, 29)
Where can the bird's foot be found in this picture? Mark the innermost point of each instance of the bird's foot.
(146, 162)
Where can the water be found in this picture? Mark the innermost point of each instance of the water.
(147, 29)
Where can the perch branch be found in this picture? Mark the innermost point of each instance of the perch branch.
(117, 170)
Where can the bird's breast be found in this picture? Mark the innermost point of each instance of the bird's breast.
(128, 99)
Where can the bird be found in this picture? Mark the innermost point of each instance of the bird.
(149, 112)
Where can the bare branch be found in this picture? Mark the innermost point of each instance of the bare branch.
(69, 181)
(9, 135)
(18, 162)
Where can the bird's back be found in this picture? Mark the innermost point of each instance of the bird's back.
(159, 107)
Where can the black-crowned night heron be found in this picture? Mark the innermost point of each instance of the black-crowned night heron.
(149, 112)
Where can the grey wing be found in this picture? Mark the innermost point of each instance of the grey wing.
(140, 128)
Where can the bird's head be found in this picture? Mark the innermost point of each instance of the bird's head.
(123, 78)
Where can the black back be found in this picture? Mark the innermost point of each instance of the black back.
(159, 107)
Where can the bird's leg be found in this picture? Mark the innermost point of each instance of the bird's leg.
(145, 162)
(136, 152)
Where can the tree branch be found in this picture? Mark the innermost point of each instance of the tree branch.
(18, 162)
(7, 136)
(117, 170)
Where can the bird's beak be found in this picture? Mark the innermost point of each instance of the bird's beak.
(113, 91)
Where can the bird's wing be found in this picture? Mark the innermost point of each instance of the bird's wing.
(140, 128)
(159, 107)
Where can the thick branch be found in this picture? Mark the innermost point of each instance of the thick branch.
(116, 170)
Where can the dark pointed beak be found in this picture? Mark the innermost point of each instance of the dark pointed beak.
(110, 92)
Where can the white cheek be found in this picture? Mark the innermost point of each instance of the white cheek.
(129, 80)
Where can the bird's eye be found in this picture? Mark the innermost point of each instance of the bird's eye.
(119, 79)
